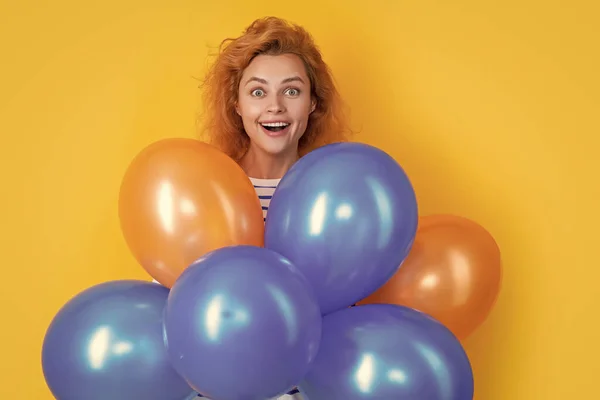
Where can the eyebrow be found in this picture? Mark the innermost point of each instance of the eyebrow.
(264, 81)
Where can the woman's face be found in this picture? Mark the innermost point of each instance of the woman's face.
(274, 101)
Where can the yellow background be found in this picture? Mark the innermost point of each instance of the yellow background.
(492, 108)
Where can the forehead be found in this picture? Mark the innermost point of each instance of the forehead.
(276, 68)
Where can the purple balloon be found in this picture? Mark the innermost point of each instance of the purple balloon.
(107, 343)
(242, 323)
(383, 352)
(346, 216)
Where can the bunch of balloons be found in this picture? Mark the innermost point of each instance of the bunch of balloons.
(343, 292)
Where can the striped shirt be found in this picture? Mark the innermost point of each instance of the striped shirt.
(293, 395)
(265, 189)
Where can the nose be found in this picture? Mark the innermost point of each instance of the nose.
(276, 105)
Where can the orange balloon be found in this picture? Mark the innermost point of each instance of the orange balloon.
(182, 198)
(453, 273)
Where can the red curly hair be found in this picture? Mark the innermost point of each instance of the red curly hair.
(269, 36)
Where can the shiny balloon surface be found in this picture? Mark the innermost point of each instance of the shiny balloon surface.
(346, 215)
(181, 198)
(453, 273)
(242, 323)
(385, 352)
(107, 343)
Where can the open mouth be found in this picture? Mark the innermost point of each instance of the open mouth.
(275, 126)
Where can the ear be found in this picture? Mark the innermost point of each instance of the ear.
(237, 109)
(313, 105)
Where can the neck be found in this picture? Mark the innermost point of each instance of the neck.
(259, 164)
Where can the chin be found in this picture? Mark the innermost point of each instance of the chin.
(275, 147)
(276, 151)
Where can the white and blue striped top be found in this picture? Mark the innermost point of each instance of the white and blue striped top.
(265, 189)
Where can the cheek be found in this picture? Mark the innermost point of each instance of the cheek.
(249, 111)
(301, 110)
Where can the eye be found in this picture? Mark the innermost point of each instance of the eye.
(258, 93)
(292, 92)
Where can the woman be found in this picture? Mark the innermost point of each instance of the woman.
(270, 98)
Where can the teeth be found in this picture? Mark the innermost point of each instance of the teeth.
(275, 124)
